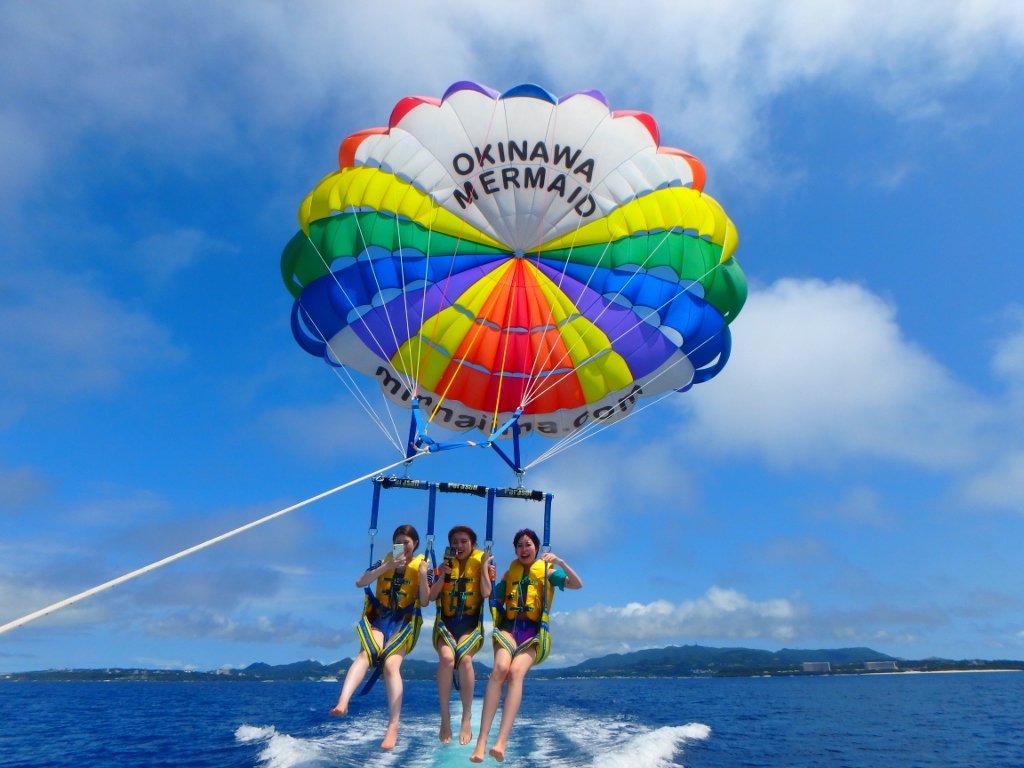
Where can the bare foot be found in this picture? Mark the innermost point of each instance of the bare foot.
(338, 711)
(466, 732)
(390, 737)
(445, 734)
(478, 753)
(497, 754)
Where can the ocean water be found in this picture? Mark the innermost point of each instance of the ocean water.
(877, 721)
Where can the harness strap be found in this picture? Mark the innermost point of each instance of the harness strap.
(374, 652)
(472, 642)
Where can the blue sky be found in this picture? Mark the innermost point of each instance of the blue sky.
(854, 477)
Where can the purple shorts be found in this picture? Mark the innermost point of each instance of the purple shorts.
(521, 631)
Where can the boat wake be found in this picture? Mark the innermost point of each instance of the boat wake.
(563, 740)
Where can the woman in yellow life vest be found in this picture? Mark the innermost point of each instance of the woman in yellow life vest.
(520, 636)
(389, 627)
(461, 592)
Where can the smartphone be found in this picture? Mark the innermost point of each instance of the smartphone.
(397, 550)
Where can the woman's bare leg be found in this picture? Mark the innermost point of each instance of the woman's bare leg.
(445, 667)
(354, 676)
(467, 681)
(513, 697)
(502, 662)
(393, 687)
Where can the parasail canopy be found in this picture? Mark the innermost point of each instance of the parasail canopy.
(489, 254)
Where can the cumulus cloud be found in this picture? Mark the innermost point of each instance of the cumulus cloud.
(707, 70)
(862, 505)
(163, 254)
(726, 615)
(342, 427)
(823, 373)
(20, 488)
(202, 623)
(795, 549)
(223, 588)
(719, 613)
(1000, 485)
(63, 336)
(23, 593)
(602, 485)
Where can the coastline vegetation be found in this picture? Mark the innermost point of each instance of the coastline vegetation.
(672, 661)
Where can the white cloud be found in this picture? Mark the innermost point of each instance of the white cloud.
(63, 336)
(165, 253)
(1000, 484)
(719, 613)
(1008, 360)
(708, 71)
(197, 623)
(822, 373)
(342, 427)
(604, 486)
(726, 615)
(24, 593)
(20, 488)
(795, 549)
(859, 505)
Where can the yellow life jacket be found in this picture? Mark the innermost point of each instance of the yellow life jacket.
(525, 594)
(462, 596)
(398, 592)
(394, 594)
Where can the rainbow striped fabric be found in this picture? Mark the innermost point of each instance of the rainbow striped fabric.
(491, 252)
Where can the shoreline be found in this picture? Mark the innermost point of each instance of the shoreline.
(941, 671)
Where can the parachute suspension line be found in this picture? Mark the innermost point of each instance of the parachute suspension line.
(442, 396)
(592, 429)
(391, 326)
(441, 297)
(673, 298)
(538, 386)
(359, 396)
(184, 553)
(664, 304)
(492, 300)
(596, 427)
(534, 380)
(344, 293)
(504, 352)
(403, 349)
(595, 269)
(420, 356)
(364, 401)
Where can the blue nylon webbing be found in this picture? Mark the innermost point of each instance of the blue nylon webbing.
(490, 515)
(547, 519)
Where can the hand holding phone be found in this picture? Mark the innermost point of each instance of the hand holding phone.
(449, 559)
(397, 551)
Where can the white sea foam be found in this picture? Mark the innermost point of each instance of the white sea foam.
(562, 739)
(568, 739)
(281, 750)
(654, 749)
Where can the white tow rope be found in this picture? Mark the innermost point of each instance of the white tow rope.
(184, 553)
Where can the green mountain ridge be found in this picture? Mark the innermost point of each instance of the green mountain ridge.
(671, 661)
(686, 660)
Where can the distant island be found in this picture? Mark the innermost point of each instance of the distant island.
(672, 661)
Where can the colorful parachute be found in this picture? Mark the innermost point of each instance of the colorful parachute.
(489, 253)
